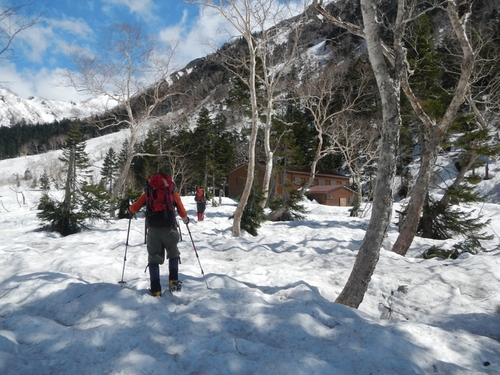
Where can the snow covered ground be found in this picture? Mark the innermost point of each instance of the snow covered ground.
(265, 304)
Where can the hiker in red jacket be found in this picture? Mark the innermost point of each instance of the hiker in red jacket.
(162, 202)
(201, 203)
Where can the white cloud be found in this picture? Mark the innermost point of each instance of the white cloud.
(77, 27)
(15, 81)
(197, 38)
(143, 8)
(199, 32)
(52, 37)
(43, 83)
(35, 41)
(209, 30)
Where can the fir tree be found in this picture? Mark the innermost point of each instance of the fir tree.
(109, 169)
(293, 210)
(224, 151)
(205, 135)
(82, 200)
(253, 214)
(122, 156)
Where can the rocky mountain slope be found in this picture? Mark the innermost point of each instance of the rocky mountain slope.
(15, 110)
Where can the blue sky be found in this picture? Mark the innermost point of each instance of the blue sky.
(42, 50)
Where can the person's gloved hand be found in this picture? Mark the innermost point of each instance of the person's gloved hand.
(186, 220)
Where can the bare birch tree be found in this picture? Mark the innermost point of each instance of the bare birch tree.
(435, 128)
(356, 138)
(277, 51)
(388, 81)
(130, 75)
(330, 97)
(483, 100)
(252, 19)
(239, 15)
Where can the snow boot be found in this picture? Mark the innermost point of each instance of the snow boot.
(175, 285)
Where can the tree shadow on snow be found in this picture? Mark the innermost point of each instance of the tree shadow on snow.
(67, 325)
(481, 324)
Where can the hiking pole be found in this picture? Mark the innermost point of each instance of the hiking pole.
(194, 247)
(125, 256)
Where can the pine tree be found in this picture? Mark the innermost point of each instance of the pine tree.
(82, 200)
(223, 152)
(109, 169)
(205, 135)
(253, 214)
(122, 156)
(148, 163)
(288, 207)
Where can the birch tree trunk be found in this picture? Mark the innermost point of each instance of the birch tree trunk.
(238, 213)
(436, 131)
(239, 14)
(389, 88)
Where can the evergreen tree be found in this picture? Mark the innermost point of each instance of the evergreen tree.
(122, 156)
(294, 210)
(215, 150)
(94, 202)
(76, 159)
(82, 200)
(147, 161)
(253, 214)
(45, 181)
(109, 169)
(205, 135)
(224, 150)
(449, 222)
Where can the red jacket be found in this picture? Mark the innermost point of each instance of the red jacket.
(142, 201)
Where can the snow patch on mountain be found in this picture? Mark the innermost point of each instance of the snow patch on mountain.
(15, 110)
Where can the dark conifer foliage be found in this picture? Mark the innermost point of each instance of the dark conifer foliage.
(253, 214)
(32, 139)
(83, 201)
(109, 169)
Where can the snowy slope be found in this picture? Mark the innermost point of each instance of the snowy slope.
(265, 304)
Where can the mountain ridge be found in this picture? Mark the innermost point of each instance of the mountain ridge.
(36, 110)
